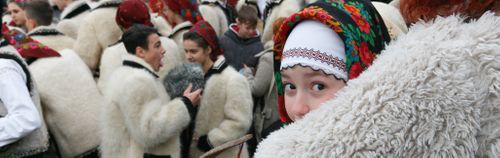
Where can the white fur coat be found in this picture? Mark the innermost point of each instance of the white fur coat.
(433, 92)
(214, 15)
(112, 59)
(98, 30)
(225, 112)
(161, 24)
(178, 32)
(139, 116)
(56, 42)
(69, 26)
(70, 100)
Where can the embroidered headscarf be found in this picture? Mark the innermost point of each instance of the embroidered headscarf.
(132, 12)
(207, 32)
(157, 6)
(356, 22)
(25, 45)
(187, 9)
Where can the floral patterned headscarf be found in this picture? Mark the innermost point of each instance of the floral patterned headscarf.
(25, 45)
(356, 22)
(187, 9)
(207, 32)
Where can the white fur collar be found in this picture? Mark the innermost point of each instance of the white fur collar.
(178, 27)
(44, 29)
(140, 61)
(71, 7)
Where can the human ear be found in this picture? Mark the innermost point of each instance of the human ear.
(140, 52)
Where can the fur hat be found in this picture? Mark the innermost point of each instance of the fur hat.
(178, 79)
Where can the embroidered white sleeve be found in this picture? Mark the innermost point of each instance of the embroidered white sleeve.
(22, 116)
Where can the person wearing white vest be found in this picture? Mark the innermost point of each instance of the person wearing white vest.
(140, 119)
(22, 128)
(218, 14)
(97, 31)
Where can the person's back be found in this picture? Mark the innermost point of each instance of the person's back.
(98, 30)
(217, 13)
(242, 41)
(71, 17)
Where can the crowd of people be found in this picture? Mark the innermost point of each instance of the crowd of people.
(306, 78)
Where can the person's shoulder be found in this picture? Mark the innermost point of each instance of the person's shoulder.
(231, 74)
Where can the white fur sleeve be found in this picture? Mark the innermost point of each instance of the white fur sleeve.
(237, 112)
(87, 45)
(150, 119)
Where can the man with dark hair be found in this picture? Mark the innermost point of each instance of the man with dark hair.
(129, 13)
(140, 117)
(38, 21)
(242, 41)
(38, 13)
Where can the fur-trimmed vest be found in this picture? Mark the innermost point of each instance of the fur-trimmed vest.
(225, 112)
(38, 140)
(52, 38)
(98, 30)
(71, 101)
(71, 18)
(139, 116)
(432, 93)
(112, 59)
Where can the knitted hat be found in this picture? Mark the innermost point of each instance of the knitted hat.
(132, 12)
(207, 32)
(356, 22)
(188, 9)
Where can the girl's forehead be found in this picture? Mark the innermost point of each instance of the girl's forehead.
(305, 71)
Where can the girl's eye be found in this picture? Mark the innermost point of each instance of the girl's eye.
(318, 87)
(289, 86)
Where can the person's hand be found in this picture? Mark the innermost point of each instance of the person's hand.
(251, 68)
(194, 97)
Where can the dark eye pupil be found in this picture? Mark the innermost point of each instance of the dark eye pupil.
(320, 86)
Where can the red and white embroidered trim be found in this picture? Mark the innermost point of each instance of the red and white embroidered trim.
(316, 55)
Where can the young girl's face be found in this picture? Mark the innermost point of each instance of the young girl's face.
(306, 90)
(17, 13)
